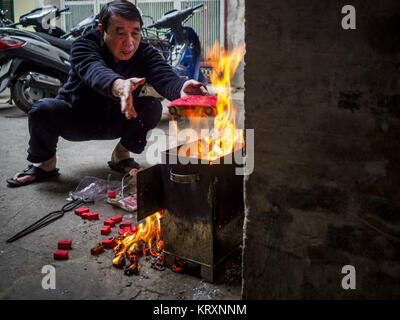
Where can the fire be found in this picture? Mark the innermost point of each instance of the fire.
(143, 240)
(225, 137)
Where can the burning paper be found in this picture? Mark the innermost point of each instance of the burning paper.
(131, 245)
(225, 137)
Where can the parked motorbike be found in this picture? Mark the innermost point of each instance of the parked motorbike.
(180, 46)
(34, 65)
(31, 66)
(42, 20)
(82, 27)
(64, 42)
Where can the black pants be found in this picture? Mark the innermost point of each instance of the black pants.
(50, 119)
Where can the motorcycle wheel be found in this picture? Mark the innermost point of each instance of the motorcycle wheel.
(23, 96)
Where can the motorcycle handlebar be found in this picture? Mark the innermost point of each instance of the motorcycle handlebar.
(197, 7)
(63, 10)
(58, 12)
(177, 16)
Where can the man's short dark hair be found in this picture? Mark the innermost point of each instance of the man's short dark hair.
(123, 8)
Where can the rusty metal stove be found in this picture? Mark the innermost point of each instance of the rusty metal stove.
(203, 209)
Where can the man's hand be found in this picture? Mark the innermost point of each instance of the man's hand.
(193, 87)
(123, 89)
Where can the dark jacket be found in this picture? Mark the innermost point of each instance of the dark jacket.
(93, 70)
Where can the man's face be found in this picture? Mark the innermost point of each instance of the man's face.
(122, 37)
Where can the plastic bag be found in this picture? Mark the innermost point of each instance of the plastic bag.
(91, 188)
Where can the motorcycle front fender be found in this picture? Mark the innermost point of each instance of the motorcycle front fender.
(189, 63)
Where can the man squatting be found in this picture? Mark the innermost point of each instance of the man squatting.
(100, 99)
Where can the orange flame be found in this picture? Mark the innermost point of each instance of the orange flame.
(225, 137)
(146, 239)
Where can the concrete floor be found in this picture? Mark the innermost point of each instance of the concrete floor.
(82, 276)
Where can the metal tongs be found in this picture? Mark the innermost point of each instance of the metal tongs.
(50, 217)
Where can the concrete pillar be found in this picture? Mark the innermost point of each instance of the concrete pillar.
(235, 36)
(325, 106)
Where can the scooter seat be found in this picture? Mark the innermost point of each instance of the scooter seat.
(63, 44)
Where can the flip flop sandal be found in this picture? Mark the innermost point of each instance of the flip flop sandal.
(31, 170)
(124, 164)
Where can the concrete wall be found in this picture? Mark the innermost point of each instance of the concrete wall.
(325, 106)
(235, 36)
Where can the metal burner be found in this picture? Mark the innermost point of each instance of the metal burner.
(203, 208)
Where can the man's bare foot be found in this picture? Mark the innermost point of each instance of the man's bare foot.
(47, 165)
